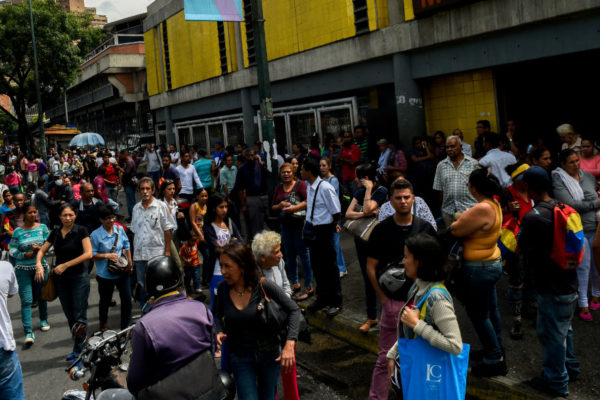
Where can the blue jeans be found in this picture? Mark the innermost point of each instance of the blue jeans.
(73, 292)
(340, 254)
(213, 287)
(27, 287)
(587, 274)
(113, 191)
(192, 274)
(294, 246)
(130, 195)
(140, 274)
(255, 376)
(11, 377)
(555, 333)
(481, 304)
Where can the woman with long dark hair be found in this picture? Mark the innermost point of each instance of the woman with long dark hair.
(366, 203)
(72, 248)
(479, 227)
(219, 230)
(256, 356)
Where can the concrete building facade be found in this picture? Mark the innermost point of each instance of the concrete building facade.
(109, 96)
(402, 68)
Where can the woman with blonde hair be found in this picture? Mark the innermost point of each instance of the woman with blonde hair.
(266, 248)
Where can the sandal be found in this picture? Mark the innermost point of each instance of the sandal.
(305, 295)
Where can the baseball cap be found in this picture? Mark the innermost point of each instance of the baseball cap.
(537, 178)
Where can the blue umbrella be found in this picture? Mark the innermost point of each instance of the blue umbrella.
(87, 139)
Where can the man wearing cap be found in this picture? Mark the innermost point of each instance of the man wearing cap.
(518, 204)
(384, 155)
(556, 289)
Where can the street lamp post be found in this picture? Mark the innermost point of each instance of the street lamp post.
(264, 83)
(37, 85)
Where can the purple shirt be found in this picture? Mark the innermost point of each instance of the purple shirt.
(167, 338)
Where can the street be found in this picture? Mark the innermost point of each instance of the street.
(44, 363)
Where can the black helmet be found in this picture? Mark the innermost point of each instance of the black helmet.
(162, 276)
(392, 280)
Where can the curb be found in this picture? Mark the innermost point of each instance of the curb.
(347, 330)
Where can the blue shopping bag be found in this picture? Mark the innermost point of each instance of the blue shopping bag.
(430, 373)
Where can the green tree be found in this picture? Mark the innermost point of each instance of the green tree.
(62, 40)
(7, 125)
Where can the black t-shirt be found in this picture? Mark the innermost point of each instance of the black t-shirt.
(69, 248)
(386, 244)
(87, 215)
(535, 241)
(378, 194)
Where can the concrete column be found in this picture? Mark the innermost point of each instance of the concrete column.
(171, 137)
(409, 101)
(250, 132)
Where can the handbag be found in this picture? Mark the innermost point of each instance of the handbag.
(49, 289)
(121, 266)
(361, 227)
(309, 233)
(274, 318)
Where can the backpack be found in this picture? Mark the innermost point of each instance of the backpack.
(567, 245)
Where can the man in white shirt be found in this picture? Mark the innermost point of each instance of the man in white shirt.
(153, 163)
(467, 150)
(11, 376)
(497, 160)
(189, 178)
(322, 215)
(152, 223)
(174, 156)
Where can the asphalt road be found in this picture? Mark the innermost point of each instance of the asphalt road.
(44, 363)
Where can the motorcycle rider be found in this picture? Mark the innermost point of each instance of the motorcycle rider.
(171, 335)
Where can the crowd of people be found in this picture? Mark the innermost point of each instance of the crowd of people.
(207, 213)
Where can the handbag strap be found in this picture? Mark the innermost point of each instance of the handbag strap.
(312, 212)
(262, 289)
(293, 191)
(114, 247)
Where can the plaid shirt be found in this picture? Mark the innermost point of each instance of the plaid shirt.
(453, 183)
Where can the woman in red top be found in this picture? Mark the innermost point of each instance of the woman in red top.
(289, 202)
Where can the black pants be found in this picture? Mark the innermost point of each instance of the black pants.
(105, 289)
(323, 261)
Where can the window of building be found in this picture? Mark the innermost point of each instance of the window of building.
(361, 16)
(249, 33)
(165, 37)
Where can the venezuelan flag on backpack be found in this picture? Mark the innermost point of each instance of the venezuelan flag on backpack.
(567, 247)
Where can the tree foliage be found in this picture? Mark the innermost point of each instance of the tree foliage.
(62, 40)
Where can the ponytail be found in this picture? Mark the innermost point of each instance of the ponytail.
(485, 183)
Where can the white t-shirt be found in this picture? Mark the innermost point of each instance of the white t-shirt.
(8, 287)
(223, 238)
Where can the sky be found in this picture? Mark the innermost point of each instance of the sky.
(117, 9)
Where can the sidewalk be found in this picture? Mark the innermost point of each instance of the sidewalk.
(524, 357)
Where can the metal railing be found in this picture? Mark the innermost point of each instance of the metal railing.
(114, 40)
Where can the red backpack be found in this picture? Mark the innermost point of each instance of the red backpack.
(567, 246)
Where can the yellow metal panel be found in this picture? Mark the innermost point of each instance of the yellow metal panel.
(281, 27)
(153, 78)
(244, 44)
(231, 46)
(409, 12)
(193, 50)
(383, 16)
(459, 101)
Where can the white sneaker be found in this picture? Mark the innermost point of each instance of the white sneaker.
(343, 273)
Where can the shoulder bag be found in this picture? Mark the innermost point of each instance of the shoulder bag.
(121, 266)
(49, 289)
(309, 234)
(275, 318)
(361, 227)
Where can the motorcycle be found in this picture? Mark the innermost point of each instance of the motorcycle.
(101, 358)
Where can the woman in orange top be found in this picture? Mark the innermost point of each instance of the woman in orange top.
(480, 227)
(197, 213)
